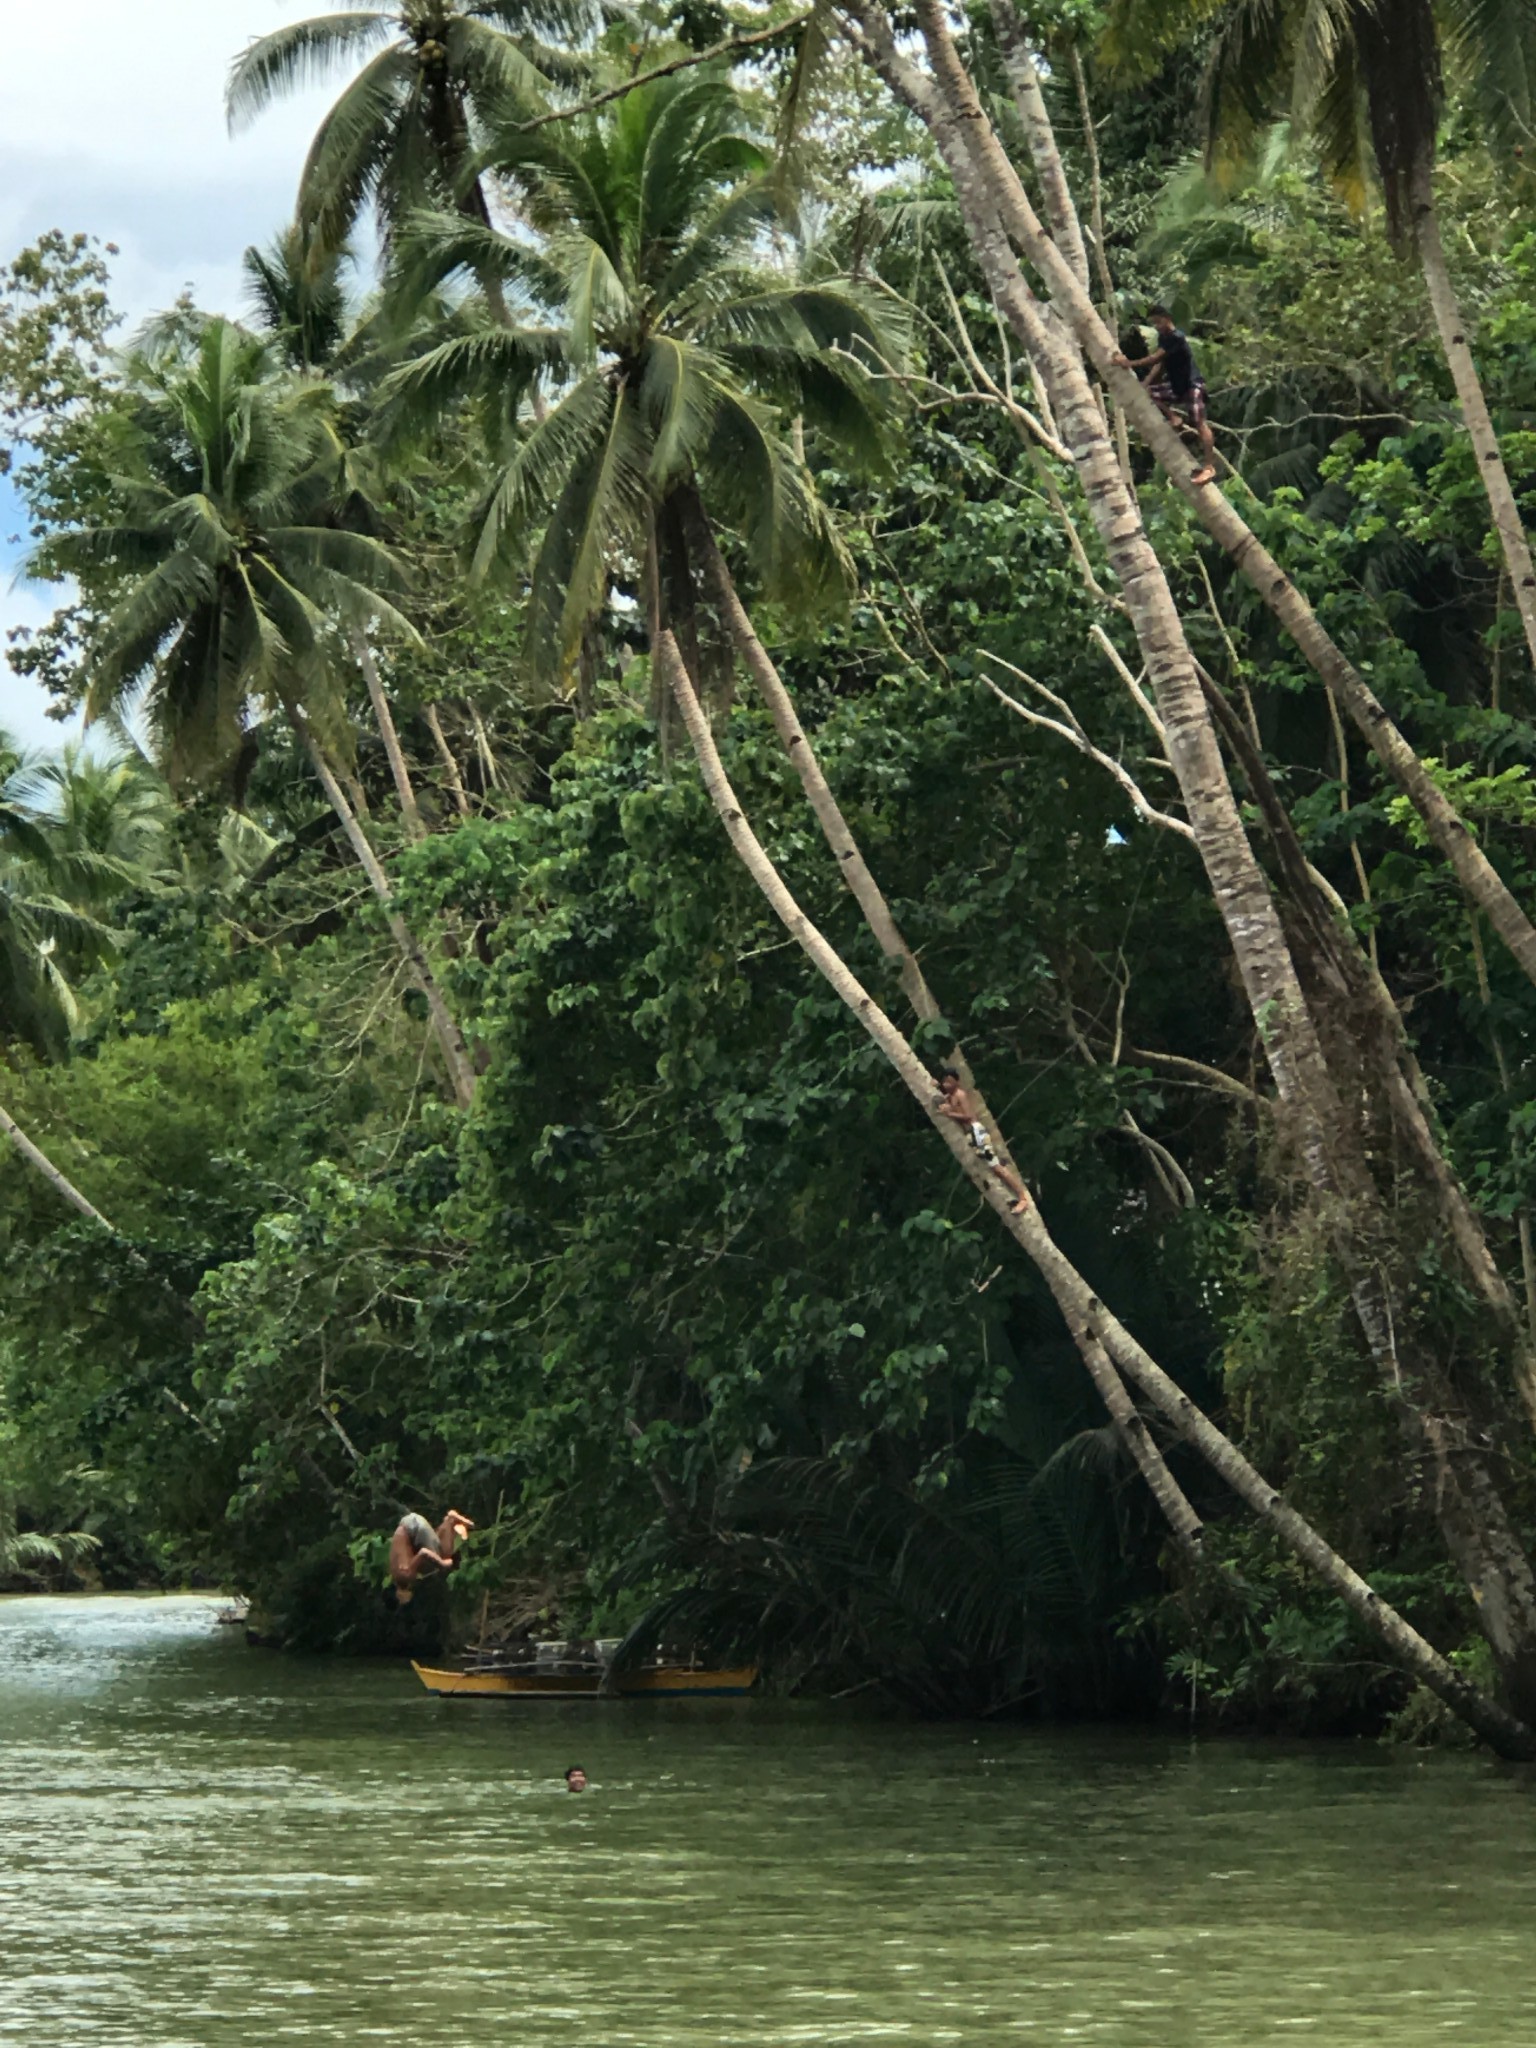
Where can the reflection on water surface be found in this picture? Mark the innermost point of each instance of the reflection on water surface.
(207, 1847)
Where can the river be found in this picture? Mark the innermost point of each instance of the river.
(204, 1846)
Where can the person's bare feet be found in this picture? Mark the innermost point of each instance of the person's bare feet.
(1207, 475)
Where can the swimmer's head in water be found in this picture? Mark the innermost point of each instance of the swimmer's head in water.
(575, 1779)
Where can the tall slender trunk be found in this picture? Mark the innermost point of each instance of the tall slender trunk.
(461, 1071)
(948, 97)
(1456, 341)
(867, 893)
(60, 1182)
(1096, 230)
(445, 755)
(1475, 1526)
(1506, 1734)
(394, 752)
(1029, 102)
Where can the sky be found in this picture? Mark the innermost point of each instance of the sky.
(112, 124)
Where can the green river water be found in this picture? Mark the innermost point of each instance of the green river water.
(203, 1845)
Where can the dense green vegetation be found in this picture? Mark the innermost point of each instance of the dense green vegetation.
(431, 1107)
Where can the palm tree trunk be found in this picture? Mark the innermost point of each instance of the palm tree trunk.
(869, 896)
(445, 755)
(851, 865)
(1457, 344)
(59, 1182)
(461, 1069)
(947, 99)
(395, 754)
(1096, 228)
(1029, 101)
(1502, 1731)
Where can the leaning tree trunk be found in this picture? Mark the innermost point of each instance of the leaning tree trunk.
(989, 194)
(948, 99)
(461, 1071)
(60, 1182)
(1501, 1730)
(394, 753)
(867, 893)
(445, 754)
(1457, 344)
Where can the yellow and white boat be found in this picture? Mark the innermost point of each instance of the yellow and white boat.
(573, 1679)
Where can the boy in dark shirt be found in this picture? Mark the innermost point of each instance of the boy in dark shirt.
(1177, 386)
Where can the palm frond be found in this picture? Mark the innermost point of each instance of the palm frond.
(298, 55)
(595, 298)
(431, 246)
(797, 100)
(139, 625)
(522, 493)
(1248, 78)
(678, 397)
(1138, 36)
(728, 230)
(495, 66)
(599, 508)
(351, 151)
(1490, 46)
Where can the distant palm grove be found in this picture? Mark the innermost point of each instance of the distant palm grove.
(670, 619)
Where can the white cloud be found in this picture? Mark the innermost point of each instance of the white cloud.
(130, 142)
(112, 123)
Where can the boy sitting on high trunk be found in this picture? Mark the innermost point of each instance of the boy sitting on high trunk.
(1177, 386)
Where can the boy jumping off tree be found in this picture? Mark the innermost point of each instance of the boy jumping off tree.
(1176, 385)
(956, 1104)
(416, 1547)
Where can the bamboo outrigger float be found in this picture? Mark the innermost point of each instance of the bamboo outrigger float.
(581, 1671)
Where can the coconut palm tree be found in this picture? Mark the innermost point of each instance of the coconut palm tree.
(680, 348)
(108, 812)
(404, 130)
(55, 883)
(296, 292)
(1367, 78)
(227, 587)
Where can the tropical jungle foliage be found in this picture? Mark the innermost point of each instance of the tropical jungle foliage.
(412, 1097)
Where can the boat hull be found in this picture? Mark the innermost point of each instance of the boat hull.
(669, 1682)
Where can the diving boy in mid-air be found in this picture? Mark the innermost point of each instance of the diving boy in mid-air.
(956, 1104)
(417, 1547)
(1176, 385)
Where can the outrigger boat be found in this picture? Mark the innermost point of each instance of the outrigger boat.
(580, 1671)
